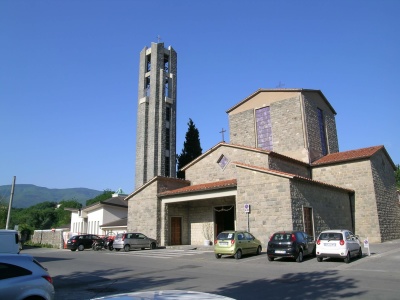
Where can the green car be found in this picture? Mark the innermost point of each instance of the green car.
(236, 243)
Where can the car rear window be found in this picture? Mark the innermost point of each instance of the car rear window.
(226, 236)
(282, 237)
(336, 236)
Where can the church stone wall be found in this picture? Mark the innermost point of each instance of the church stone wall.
(331, 207)
(386, 197)
(288, 166)
(242, 129)
(208, 169)
(357, 176)
(270, 205)
(143, 212)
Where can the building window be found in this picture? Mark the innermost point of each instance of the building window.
(148, 63)
(166, 63)
(166, 87)
(168, 113)
(167, 138)
(147, 88)
(167, 167)
(222, 161)
(264, 128)
(322, 132)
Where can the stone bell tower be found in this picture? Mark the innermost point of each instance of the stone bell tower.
(156, 114)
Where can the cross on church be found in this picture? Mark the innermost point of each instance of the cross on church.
(222, 131)
(158, 38)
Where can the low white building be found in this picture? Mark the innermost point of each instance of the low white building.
(102, 218)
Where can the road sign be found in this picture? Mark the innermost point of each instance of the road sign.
(247, 208)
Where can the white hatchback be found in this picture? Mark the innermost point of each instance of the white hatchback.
(339, 243)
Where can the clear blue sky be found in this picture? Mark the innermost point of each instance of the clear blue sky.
(69, 76)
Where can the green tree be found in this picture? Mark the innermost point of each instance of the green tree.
(106, 195)
(191, 148)
(397, 174)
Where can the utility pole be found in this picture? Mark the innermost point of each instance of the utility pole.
(11, 199)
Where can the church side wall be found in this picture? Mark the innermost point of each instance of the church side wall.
(386, 197)
(357, 176)
(331, 207)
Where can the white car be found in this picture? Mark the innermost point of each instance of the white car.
(23, 277)
(338, 244)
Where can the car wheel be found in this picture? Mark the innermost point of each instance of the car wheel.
(271, 258)
(126, 248)
(111, 248)
(152, 246)
(347, 259)
(218, 256)
(319, 259)
(81, 247)
(359, 253)
(73, 249)
(238, 254)
(299, 257)
(258, 250)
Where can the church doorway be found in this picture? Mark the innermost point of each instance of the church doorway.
(176, 231)
(224, 217)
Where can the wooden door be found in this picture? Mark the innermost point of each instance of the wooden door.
(308, 223)
(176, 231)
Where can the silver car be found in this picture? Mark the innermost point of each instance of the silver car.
(23, 277)
(133, 240)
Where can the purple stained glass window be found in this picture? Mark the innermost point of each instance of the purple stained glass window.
(223, 161)
(264, 128)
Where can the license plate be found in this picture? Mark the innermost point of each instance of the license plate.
(280, 252)
(223, 243)
(329, 244)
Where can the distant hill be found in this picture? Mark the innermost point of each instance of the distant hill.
(26, 195)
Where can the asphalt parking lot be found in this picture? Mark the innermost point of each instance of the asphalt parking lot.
(89, 274)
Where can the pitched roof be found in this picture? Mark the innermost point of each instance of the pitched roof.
(201, 187)
(352, 155)
(114, 201)
(259, 150)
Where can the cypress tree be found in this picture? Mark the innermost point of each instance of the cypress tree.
(191, 148)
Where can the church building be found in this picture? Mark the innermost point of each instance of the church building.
(281, 170)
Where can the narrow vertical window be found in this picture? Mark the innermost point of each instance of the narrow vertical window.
(322, 132)
(264, 128)
(147, 88)
(167, 138)
(166, 63)
(148, 63)
(167, 167)
(166, 87)
(168, 113)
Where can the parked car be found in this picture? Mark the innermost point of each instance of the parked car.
(82, 241)
(236, 243)
(293, 244)
(133, 240)
(23, 277)
(338, 244)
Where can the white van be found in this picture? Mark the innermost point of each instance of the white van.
(9, 241)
